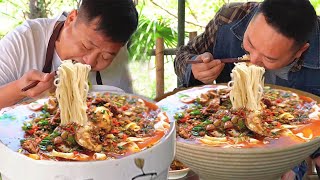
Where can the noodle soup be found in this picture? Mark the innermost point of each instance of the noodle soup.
(118, 125)
(121, 163)
(205, 116)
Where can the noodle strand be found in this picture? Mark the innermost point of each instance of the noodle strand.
(71, 92)
(248, 82)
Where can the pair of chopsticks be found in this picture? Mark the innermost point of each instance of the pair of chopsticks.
(32, 85)
(226, 60)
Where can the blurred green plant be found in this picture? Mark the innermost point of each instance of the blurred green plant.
(143, 40)
(30, 9)
(316, 5)
(15, 9)
(148, 30)
(16, 12)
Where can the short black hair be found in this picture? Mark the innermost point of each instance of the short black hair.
(293, 18)
(118, 18)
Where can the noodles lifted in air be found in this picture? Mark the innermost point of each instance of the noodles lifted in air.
(72, 89)
(247, 86)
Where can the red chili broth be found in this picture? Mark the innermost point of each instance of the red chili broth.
(283, 141)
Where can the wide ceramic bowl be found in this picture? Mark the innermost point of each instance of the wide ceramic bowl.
(14, 166)
(238, 163)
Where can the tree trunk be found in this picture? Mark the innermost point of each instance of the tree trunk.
(37, 9)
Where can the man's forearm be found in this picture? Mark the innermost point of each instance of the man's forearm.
(180, 62)
(10, 94)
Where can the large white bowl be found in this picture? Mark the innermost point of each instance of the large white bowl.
(231, 163)
(236, 163)
(15, 166)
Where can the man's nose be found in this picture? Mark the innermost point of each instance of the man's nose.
(255, 58)
(91, 58)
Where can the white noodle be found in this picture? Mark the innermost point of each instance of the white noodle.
(247, 86)
(71, 92)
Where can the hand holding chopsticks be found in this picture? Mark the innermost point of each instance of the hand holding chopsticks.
(32, 85)
(37, 77)
(207, 69)
(244, 58)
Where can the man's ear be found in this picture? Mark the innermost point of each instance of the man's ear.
(72, 16)
(301, 50)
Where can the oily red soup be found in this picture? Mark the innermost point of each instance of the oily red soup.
(118, 125)
(209, 118)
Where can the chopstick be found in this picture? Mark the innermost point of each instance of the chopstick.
(227, 60)
(32, 85)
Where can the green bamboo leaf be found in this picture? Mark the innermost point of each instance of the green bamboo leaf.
(141, 36)
(144, 38)
(150, 25)
(138, 48)
(149, 38)
(143, 22)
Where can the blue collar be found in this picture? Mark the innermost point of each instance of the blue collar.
(311, 58)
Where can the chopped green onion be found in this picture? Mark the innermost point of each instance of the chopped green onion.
(43, 148)
(206, 122)
(45, 107)
(241, 124)
(71, 140)
(179, 115)
(225, 118)
(195, 112)
(27, 126)
(195, 133)
(198, 100)
(43, 122)
(197, 128)
(118, 104)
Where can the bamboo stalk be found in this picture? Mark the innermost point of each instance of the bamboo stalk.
(159, 67)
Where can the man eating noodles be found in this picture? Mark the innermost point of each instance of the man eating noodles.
(92, 35)
(280, 35)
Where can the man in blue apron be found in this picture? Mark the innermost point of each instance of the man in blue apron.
(280, 35)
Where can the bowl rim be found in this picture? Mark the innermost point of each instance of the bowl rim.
(180, 170)
(254, 150)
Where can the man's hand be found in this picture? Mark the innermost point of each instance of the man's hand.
(290, 175)
(207, 71)
(11, 93)
(46, 82)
